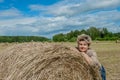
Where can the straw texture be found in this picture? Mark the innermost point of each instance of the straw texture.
(44, 61)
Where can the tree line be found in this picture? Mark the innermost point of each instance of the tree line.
(99, 34)
(22, 39)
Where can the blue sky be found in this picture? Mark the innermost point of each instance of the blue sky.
(49, 17)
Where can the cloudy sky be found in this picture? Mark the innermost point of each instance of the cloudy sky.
(49, 17)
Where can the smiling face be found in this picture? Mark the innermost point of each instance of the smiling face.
(83, 46)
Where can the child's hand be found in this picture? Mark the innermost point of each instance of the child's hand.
(87, 58)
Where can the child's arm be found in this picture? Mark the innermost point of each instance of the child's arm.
(87, 58)
(92, 54)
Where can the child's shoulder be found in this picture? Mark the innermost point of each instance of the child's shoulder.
(91, 52)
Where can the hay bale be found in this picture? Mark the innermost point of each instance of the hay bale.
(44, 61)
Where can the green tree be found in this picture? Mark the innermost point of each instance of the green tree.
(59, 37)
(93, 32)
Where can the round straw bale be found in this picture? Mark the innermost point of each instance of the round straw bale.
(45, 61)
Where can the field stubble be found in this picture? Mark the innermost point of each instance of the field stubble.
(109, 55)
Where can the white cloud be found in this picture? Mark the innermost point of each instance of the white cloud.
(112, 15)
(31, 24)
(15, 21)
(37, 7)
(62, 17)
(13, 12)
(67, 8)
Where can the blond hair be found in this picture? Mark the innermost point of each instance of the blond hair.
(84, 37)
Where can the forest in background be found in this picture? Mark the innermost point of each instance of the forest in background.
(22, 39)
(99, 34)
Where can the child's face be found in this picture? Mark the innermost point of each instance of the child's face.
(83, 46)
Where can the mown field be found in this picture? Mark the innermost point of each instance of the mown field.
(108, 54)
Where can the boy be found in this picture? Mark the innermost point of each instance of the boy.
(84, 42)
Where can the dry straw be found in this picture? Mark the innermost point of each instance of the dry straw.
(44, 61)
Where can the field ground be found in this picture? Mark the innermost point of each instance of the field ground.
(108, 54)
